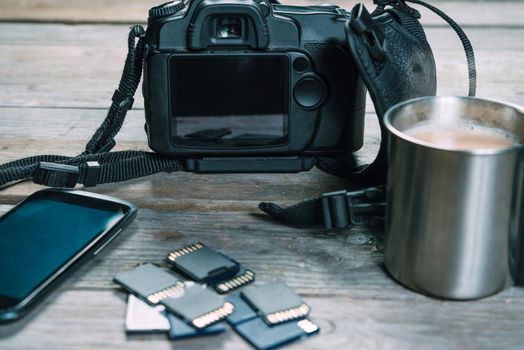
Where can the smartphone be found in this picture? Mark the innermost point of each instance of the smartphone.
(48, 235)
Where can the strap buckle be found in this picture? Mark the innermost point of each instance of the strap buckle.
(56, 175)
(63, 175)
(373, 38)
(343, 209)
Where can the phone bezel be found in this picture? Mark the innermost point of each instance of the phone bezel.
(12, 309)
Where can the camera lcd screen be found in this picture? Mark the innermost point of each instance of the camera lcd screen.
(229, 101)
(41, 235)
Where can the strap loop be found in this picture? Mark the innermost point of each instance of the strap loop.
(372, 36)
(466, 44)
(92, 173)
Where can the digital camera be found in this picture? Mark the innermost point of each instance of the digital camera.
(250, 86)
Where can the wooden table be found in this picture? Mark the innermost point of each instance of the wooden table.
(56, 80)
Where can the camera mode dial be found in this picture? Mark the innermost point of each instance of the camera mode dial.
(166, 9)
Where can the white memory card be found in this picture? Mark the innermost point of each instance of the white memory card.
(140, 317)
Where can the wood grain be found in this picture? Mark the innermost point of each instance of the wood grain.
(469, 13)
(52, 67)
(346, 323)
(55, 84)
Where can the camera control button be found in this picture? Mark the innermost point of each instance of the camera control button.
(166, 9)
(300, 64)
(265, 8)
(309, 92)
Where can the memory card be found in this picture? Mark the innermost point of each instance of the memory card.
(276, 302)
(203, 264)
(264, 337)
(180, 329)
(245, 276)
(243, 312)
(150, 283)
(143, 318)
(198, 306)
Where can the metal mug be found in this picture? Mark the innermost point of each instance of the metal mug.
(454, 222)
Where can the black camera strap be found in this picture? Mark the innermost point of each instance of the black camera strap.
(396, 63)
(97, 165)
(382, 64)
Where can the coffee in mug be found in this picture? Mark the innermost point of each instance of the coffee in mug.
(462, 136)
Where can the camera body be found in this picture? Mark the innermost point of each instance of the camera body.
(247, 86)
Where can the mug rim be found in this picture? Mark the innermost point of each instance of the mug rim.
(479, 151)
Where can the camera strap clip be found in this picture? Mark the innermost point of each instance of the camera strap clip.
(372, 36)
(56, 175)
(343, 209)
(65, 175)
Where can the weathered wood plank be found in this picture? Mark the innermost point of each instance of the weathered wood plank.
(312, 261)
(87, 319)
(483, 13)
(55, 68)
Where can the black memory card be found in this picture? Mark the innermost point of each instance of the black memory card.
(276, 302)
(150, 283)
(203, 264)
(256, 331)
(243, 312)
(264, 337)
(181, 330)
(198, 306)
(144, 318)
(245, 276)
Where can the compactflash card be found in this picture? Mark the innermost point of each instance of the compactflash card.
(198, 306)
(276, 302)
(150, 283)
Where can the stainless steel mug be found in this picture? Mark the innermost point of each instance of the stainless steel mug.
(454, 217)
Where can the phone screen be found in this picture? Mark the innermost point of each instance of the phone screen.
(41, 235)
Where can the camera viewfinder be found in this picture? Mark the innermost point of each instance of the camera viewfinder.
(229, 28)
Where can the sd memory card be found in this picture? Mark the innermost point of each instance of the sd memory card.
(258, 333)
(244, 277)
(264, 337)
(205, 265)
(276, 302)
(202, 264)
(143, 318)
(243, 312)
(150, 283)
(181, 330)
(198, 306)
